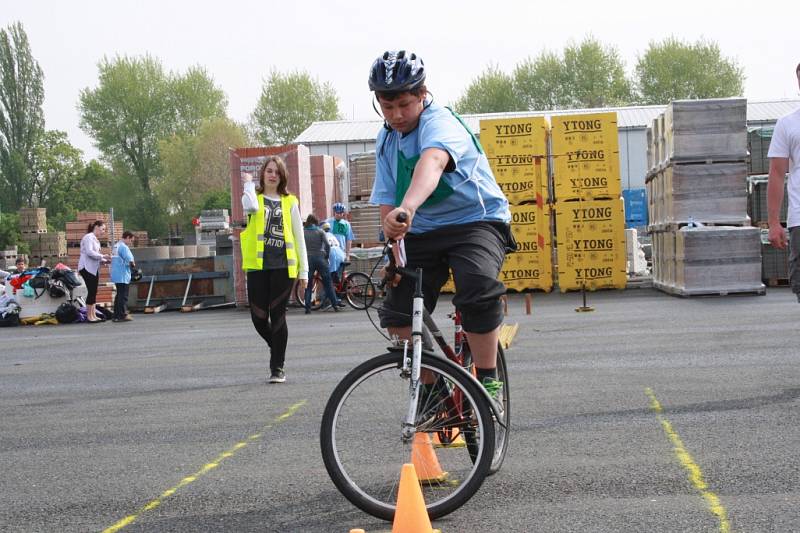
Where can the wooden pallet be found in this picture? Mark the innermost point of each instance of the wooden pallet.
(677, 291)
(663, 165)
(777, 282)
(674, 226)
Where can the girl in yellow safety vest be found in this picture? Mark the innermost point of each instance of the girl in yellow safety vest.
(273, 256)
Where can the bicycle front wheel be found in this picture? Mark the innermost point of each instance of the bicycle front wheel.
(359, 290)
(362, 445)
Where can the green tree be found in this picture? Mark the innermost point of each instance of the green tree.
(57, 166)
(21, 115)
(196, 165)
(673, 69)
(289, 103)
(10, 234)
(196, 99)
(134, 107)
(218, 199)
(597, 74)
(541, 83)
(62, 183)
(587, 74)
(491, 92)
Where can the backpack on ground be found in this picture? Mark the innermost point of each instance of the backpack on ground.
(67, 313)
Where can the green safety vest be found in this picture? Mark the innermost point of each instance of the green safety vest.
(252, 238)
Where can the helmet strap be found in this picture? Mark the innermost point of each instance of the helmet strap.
(385, 124)
(425, 106)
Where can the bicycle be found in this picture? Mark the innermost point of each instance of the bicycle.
(367, 433)
(355, 287)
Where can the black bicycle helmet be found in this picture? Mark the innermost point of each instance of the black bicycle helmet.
(396, 72)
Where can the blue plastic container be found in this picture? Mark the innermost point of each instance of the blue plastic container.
(635, 207)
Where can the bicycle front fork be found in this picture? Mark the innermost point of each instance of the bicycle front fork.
(412, 366)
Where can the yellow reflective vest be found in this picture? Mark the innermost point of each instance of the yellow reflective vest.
(252, 238)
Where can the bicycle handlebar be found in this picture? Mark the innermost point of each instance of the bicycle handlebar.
(392, 269)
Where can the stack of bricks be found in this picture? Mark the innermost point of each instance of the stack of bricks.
(365, 220)
(140, 239)
(322, 185)
(75, 232)
(364, 217)
(33, 220)
(47, 249)
(361, 168)
(517, 152)
(703, 243)
(589, 210)
(8, 258)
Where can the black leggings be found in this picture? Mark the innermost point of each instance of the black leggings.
(91, 285)
(268, 293)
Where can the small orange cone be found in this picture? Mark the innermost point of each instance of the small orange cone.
(411, 516)
(357, 531)
(425, 462)
(456, 442)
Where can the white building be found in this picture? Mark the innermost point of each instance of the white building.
(342, 138)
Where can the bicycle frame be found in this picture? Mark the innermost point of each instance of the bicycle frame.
(422, 323)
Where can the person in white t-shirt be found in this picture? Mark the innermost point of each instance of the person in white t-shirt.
(336, 257)
(784, 156)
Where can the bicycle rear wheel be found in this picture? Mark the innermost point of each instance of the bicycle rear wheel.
(359, 290)
(361, 439)
(317, 293)
(501, 430)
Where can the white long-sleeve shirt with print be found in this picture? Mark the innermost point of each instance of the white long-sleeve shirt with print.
(250, 205)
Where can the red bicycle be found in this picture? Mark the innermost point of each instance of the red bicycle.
(355, 287)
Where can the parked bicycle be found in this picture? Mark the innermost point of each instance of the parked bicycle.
(355, 287)
(376, 413)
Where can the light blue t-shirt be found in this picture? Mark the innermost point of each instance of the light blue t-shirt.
(475, 194)
(342, 230)
(121, 263)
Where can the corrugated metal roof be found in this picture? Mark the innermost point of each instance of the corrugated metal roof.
(340, 131)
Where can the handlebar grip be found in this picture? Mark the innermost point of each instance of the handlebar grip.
(402, 217)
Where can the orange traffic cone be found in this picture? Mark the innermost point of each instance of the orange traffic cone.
(456, 442)
(357, 531)
(425, 462)
(411, 516)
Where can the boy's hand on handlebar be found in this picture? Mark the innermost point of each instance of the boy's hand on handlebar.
(392, 228)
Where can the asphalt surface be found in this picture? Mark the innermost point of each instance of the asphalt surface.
(652, 413)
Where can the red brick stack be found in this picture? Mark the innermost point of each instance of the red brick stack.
(76, 231)
(140, 239)
(322, 185)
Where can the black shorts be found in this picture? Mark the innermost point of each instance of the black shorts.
(475, 253)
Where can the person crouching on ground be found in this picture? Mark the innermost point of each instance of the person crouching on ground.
(273, 256)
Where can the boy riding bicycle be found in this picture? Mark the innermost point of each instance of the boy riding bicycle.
(430, 167)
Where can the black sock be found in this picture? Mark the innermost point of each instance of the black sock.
(486, 373)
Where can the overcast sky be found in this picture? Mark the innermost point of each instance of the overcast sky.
(240, 42)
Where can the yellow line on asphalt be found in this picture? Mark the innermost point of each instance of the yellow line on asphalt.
(693, 470)
(208, 467)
